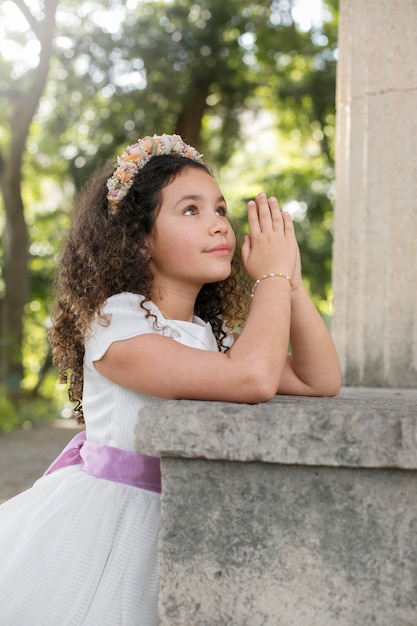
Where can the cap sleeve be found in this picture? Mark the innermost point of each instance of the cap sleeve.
(126, 319)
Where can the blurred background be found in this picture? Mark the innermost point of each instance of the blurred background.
(251, 84)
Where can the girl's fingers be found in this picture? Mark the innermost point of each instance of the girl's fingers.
(264, 212)
(275, 213)
(288, 223)
(253, 218)
(271, 242)
(245, 249)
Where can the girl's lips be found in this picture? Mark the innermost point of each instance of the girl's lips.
(221, 250)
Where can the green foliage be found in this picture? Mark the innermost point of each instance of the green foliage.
(189, 66)
(27, 411)
(8, 415)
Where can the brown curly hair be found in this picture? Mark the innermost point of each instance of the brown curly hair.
(105, 254)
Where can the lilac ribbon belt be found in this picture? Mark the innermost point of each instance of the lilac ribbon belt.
(116, 464)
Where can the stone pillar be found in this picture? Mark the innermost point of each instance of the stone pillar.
(375, 242)
(294, 512)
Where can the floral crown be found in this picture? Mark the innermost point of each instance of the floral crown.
(135, 157)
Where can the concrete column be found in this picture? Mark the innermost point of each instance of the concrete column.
(375, 244)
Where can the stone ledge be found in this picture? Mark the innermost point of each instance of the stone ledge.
(361, 427)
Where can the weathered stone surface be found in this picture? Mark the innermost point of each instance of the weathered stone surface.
(375, 229)
(359, 428)
(299, 511)
(266, 545)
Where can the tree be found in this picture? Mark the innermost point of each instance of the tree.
(191, 67)
(23, 100)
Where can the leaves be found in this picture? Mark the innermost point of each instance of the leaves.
(213, 71)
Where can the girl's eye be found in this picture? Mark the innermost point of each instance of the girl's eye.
(190, 210)
(221, 210)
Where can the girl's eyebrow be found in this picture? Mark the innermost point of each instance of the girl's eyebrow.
(197, 197)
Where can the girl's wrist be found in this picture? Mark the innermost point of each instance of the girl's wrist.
(270, 275)
(297, 291)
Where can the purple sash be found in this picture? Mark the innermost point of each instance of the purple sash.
(121, 466)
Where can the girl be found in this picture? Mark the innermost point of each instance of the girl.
(146, 300)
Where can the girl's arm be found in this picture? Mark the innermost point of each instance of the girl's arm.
(312, 368)
(257, 365)
(251, 370)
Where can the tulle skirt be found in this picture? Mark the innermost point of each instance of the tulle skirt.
(75, 549)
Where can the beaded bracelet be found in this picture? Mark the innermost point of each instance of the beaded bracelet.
(272, 275)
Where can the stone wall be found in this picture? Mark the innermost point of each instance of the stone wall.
(299, 511)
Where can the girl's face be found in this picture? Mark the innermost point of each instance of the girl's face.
(192, 241)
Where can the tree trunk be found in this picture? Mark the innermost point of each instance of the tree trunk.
(189, 121)
(15, 261)
(16, 280)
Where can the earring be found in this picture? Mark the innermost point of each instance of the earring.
(146, 254)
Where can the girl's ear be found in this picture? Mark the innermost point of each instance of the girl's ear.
(146, 253)
(148, 245)
(145, 250)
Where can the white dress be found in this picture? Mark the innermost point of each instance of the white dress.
(76, 549)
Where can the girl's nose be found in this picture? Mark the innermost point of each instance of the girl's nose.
(219, 225)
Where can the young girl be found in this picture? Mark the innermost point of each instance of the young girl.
(146, 305)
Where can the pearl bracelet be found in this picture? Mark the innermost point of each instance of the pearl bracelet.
(272, 275)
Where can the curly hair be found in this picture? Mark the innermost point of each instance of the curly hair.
(104, 254)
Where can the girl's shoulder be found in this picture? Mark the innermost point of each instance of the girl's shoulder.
(125, 299)
(128, 302)
(127, 314)
(122, 316)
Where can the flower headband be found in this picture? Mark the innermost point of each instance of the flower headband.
(135, 157)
